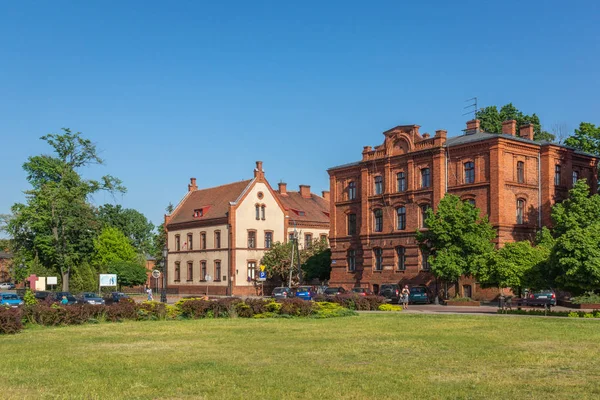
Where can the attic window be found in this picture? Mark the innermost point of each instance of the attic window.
(198, 213)
(326, 214)
(299, 212)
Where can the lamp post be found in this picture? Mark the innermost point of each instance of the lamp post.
(165, 265)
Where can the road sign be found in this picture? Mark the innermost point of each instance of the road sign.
(156, 274)
(108, 279)
(262, 276)
(51, 280)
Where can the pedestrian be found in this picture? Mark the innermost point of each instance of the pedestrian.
(405, 293)
(149, 291)
(64, 301)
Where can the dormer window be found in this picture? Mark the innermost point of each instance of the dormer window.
(199, 212)
(299, 212)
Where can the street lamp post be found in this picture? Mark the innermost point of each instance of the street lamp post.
(165, 265)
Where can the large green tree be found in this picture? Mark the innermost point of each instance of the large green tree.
(317, 261)
(129, 273)
(112, 246)
(457, 239)
(586, 138)
(491, 120)
(575, 259)
(57, 224)
(132, 223)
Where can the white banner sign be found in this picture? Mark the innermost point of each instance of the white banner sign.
(51, 280)
(108, 279)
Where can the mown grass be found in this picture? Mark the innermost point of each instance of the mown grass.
(376, 356)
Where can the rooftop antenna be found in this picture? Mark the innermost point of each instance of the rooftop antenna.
(473, 107)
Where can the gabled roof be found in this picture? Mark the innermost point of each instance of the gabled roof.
(213, 201)
(305, 209)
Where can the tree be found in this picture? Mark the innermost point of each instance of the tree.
(456, 239)
(575, 259)
(317, 264)
(491, 120)
(129, 273)
(586, 138)
(57, 223)
(159, 241)
(110, 247)
(277, 260)
(132, 223)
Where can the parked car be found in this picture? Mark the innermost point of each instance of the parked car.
(10, 299)
(334, 291)
(361, 291)
(280, 293)
(70, 298)
(7, 286)
(542, 298)
(390, 291)
(305, 292)
(90, 298)
(42, 295)
(114, 297)
(419, 295)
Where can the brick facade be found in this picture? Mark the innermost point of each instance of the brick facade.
(500, 173)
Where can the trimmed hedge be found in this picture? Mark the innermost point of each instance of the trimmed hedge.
(572, 314)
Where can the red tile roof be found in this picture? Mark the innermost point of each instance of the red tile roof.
(213, 201)
(315, 208)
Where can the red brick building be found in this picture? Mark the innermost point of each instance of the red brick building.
(378, 203)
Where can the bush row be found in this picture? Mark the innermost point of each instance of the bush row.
(572, 314)
(12, 320)
(354, 301)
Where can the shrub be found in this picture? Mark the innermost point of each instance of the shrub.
(125, 309)
(10, 320)
(375, 302)
(258, 306)
(243, 310)
(587, 298)
(330, 310)
(389, 307)
(296, 307)
(29, 298)
(193, 308)
(320, 298)
(152, 310)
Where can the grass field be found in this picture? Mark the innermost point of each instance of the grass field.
(375, 356)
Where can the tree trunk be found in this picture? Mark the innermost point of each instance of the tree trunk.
(65, 281)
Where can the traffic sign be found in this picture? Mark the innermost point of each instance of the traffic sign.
(156, 274)
(262, 276)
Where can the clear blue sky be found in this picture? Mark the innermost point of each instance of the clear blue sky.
(170, 90)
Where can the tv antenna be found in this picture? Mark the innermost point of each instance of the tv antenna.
(472, 106)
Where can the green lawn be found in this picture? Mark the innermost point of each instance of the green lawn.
(375, 356)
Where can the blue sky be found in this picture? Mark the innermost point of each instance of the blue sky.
(170, 90)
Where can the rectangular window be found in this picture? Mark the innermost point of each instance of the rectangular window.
(351, 260)
(177, 271)
(401, 218)
(469, 172)
(378, 185)
(557, 175)
(575, 177)
(401, 258)
(378, 253)
(177, 243)
(307, 241)
(190, 241)
(425, 261)
(400, 182)
(378, 214)
(424, 209)
(190, 271)
(257, 207)
(217, 240)
(323, 238)
(520, 172)
(251, 270)
(203, 270)
(251, 239)
(268, 239)
(203, 240)
(262, 213)
(217, 270)
(351, 224)
(425, 178)
(291, 237)
(352, 190)
(520, 210)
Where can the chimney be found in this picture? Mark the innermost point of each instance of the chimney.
(258, 171)
(509, 127)
(441, 133)
(426, 136)
(325, 194)
(526, 131)
(192, 186)
(282, 188)
(305, 191)
(473, 126)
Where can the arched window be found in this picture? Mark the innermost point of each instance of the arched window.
(378, 214)
(177, 243)
(401, 218)
(469, 172)
(177, 271)
(190, 241)
(351, 190)
(262, 212)
(425, 261)
(557, 175)
(351, 259)
(190, 271)
(401, 258)
(520, 172)
(520, 210)
(378, 254)
(378, 184)
(401, 182)
(425, 178)
(351, 224)
(203, 272)
(470, 201)
(257, 207)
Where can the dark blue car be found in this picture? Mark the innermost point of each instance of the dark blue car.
(305, 292)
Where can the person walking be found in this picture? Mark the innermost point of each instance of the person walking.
(405, 293)
(64, 301)
(149, 292)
